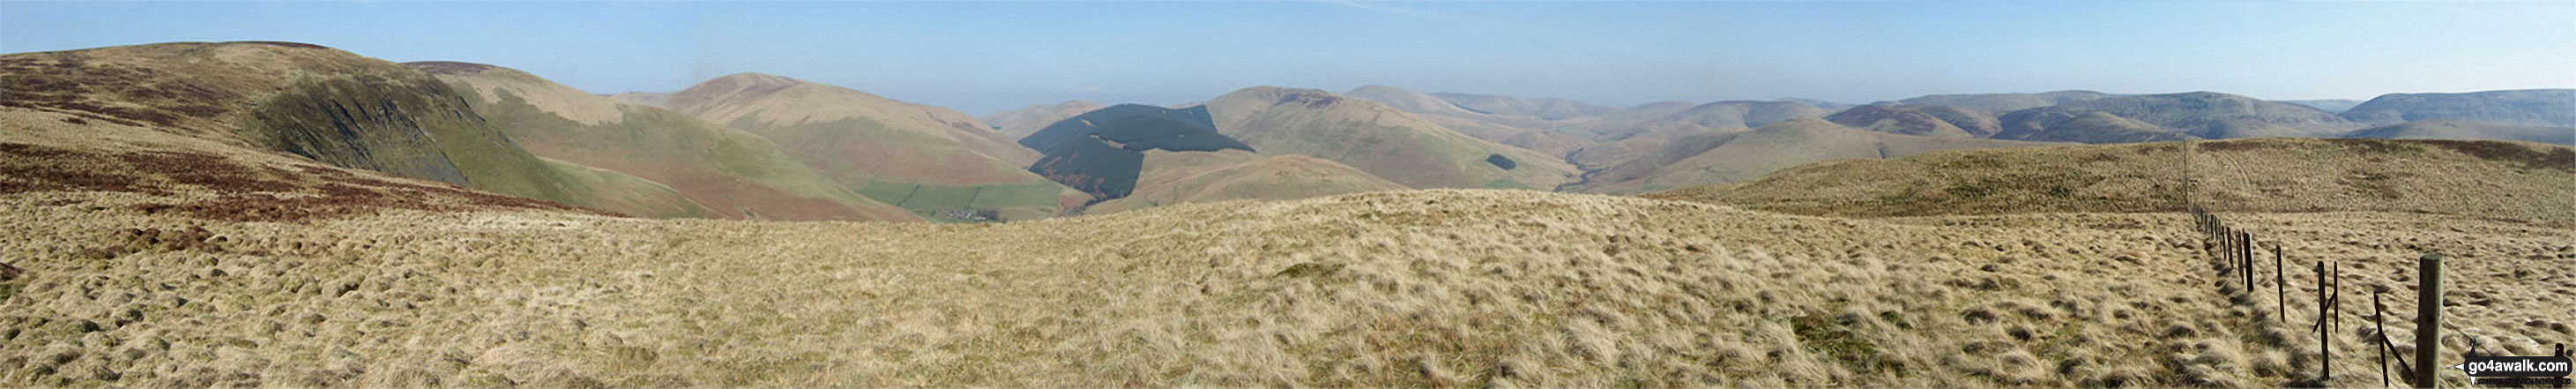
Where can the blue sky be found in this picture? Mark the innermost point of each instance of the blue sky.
(983, 57)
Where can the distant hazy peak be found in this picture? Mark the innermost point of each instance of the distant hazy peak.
(1283, 92)
(1380, 88)
(755, 79)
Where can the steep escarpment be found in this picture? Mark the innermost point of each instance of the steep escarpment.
(328, 105)
(720, 172)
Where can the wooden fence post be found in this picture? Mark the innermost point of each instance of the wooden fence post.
(2280, 286)
(2245, 260)
(2325, 346)
(2428, 319)
(2377, 314)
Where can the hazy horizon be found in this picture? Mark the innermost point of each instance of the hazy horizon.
(988, 57)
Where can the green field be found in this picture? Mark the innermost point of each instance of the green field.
(930, 200)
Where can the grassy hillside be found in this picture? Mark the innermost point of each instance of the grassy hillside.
(628, 195)
(2530, 107)
(328, 105)
(1402, 289)
(1727, 157)
(1181, 177)
(1382, 141)
(917, 157)
(2468, 130)
(2499, 180)
(1019, 123)
(726, 173)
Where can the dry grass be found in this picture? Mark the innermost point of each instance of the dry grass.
(2511, 181)
(1423, 288)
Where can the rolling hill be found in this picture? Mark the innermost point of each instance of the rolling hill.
(926, 159)
(2529, 107)
(1513, 122)
(1542, 107)
(1638, 131)
(2328, 105)
(1727, 157)
(2517, 181)
(1926, 120)
(318, 103)
(1181, 177)
(2061, 124)
(1018, 123)
(1996, 104)
(723, 173)
(1383, 141)
(2216, 115)
(2468, 130)
(1134, 156)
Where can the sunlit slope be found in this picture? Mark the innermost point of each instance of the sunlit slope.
(724, 173)
(325, 104)
(1383, 141)
(926, 159)
(1172, 177)
(1728, 157)
(2501, 180)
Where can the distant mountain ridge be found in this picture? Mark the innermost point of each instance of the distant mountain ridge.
(2527, 107)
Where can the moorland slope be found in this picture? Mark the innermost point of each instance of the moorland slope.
(723, 173)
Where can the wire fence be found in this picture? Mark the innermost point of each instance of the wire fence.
(2235, 254)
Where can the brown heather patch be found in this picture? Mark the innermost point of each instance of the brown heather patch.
(2561, 159)
(337, 200)
(32, 168)
(121, 94)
